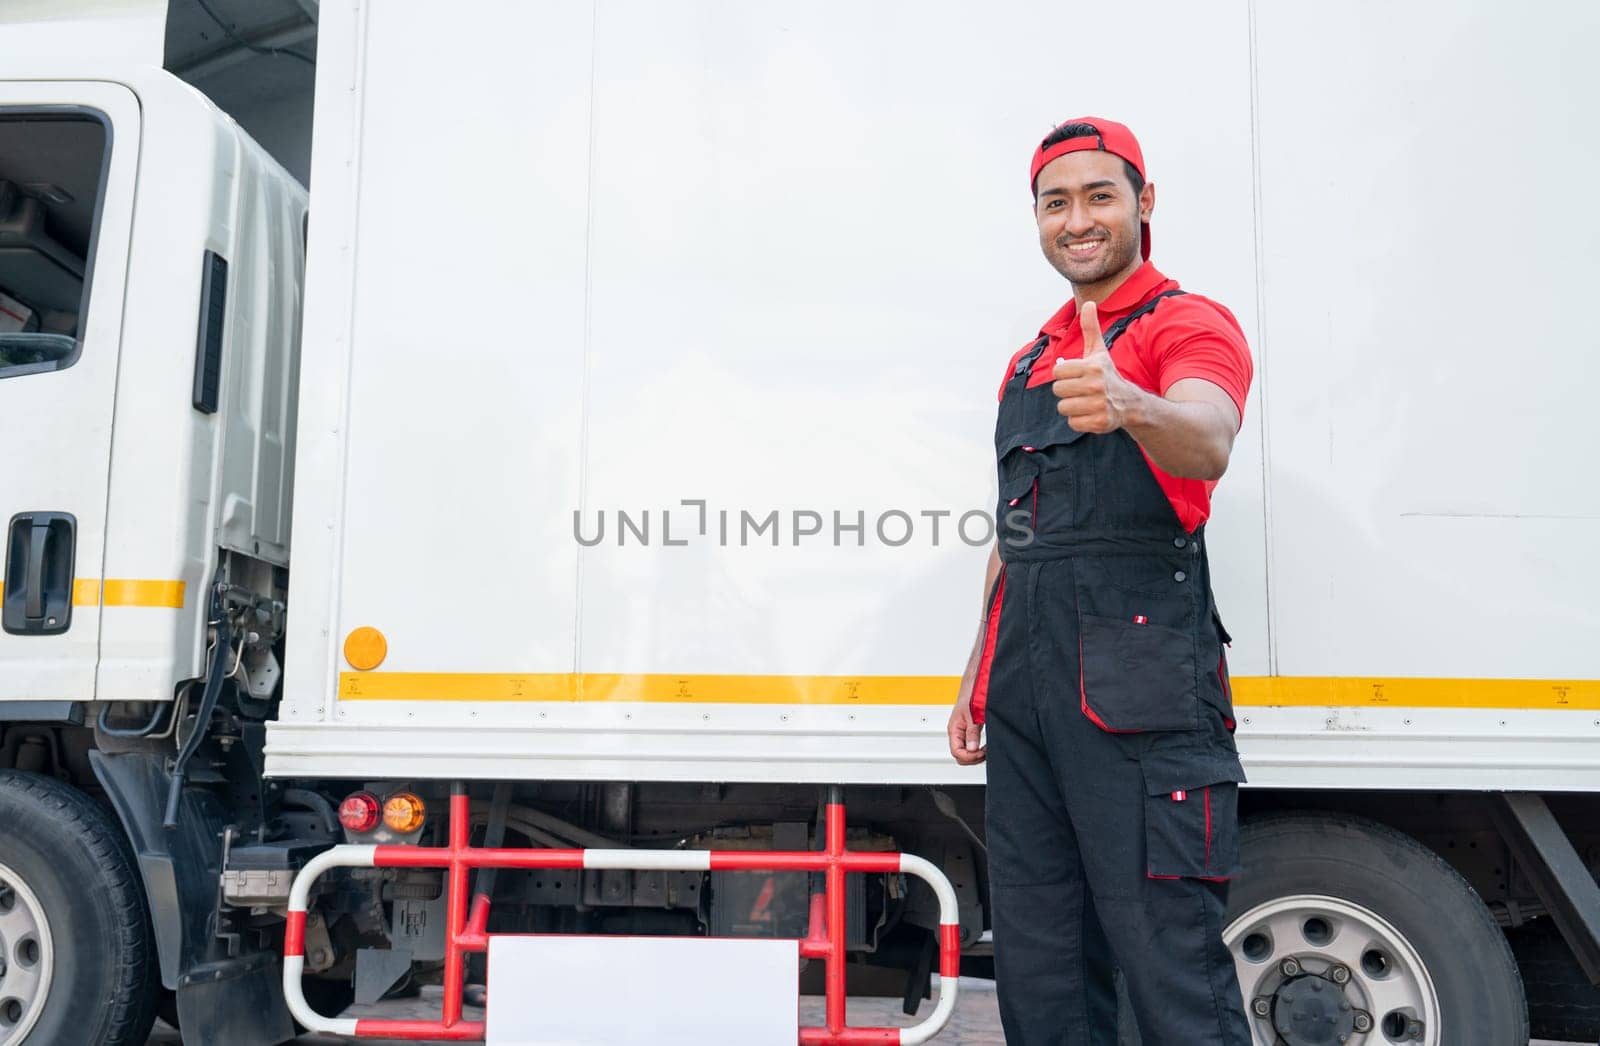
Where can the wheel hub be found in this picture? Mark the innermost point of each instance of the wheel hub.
(26, 958)
(1324, 971)
(1311, 1010)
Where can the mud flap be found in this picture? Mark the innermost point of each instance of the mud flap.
(181, 871)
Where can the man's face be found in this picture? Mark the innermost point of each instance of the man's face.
(1089, 217)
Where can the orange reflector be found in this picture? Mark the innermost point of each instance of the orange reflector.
(365, 648)
(404, 813)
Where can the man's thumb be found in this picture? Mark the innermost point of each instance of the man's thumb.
(974, 735)
(1093, 340)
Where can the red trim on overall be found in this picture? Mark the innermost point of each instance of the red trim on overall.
(991, 633)
(1206, 792)
(1083, 696)
(1202, 878)
(294, 934)
(1227, 688)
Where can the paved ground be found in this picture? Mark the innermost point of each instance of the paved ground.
(976, 1021)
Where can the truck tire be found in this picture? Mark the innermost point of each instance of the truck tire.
(1562, 1004)
(79, 958)
(1338, 920)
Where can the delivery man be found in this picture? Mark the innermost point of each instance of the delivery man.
(1098, 671)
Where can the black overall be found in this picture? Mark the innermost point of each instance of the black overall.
(1112, 772)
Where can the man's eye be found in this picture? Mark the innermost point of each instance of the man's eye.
(1052, 205)
(1100, 197)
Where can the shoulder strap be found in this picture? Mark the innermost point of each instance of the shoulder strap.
(1116, 330)
(1025, 364)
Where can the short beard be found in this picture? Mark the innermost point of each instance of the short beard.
(1119, 255)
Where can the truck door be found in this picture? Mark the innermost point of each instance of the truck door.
(68, 158)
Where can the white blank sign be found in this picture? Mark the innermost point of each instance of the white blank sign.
(660, 991)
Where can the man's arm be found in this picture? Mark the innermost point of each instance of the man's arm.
(965, 735)
(1188, 433)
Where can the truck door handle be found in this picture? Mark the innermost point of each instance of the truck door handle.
(39, 573)
(38, 547)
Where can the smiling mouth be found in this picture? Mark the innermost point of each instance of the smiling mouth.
(1085, 247)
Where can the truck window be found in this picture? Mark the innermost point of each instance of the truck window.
(52, 174)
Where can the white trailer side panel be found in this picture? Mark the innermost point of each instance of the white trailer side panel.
(610, 259)
(1428, 362)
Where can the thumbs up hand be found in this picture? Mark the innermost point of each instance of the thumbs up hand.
(1089, 321)
(1089, 392)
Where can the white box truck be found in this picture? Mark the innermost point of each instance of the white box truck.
(630, 387)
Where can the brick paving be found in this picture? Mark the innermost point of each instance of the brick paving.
(976, 1021)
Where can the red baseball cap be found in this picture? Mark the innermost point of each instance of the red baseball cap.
(1109, 137)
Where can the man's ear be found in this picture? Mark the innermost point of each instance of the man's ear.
(1147, 201)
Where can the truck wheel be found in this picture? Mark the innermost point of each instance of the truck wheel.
(1345, 930)
(77, 960)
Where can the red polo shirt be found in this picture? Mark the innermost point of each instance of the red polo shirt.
(1188, 336)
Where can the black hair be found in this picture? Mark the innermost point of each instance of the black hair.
(1068, 131)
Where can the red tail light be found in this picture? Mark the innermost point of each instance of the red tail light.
(360, 812)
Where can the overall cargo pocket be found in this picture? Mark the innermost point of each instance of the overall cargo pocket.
(1136, 676)
(1191, 815)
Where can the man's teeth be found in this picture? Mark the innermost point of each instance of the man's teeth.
(1081, 247)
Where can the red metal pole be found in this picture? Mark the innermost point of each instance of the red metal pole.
(850, 1037)
(478, 916)
(456, 908)
(815, 945)
(461, 1031)
(834, 998)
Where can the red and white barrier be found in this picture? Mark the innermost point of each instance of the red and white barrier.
(467, 928)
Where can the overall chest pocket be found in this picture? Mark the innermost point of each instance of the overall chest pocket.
(1136, 676)
(1044, 467)
(1019, 488)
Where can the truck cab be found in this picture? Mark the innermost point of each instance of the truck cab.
(151, 280)
(151, 254)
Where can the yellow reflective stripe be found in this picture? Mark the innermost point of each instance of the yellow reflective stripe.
(1249, 691)
(660, 688)
(127, 592)
(1556, 694)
